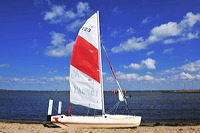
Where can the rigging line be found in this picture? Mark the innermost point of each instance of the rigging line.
(94, 112)
(88, 111)
(115, 106)
(112, 69)
(128, 110)
(55, 108)
(113, 72)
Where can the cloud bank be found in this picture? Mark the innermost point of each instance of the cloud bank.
(170, 32)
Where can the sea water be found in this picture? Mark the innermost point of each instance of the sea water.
(152, 106)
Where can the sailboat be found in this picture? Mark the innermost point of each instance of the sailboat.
(86, 83)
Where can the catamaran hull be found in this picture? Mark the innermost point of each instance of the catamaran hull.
(105, 121)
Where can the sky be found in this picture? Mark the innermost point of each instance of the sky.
(152, 44)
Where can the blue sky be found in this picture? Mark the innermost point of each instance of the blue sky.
(153, 45)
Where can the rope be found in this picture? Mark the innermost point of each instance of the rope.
(114, 107)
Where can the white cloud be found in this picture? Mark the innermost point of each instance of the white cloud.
(189, 36)
(172, 70)
(173, 78)
(133, 76)
(55, 51)
(184, 75)
(115, 33)
(184, 37)
(189, 20)
(181, 30)
(134, 66)
(198, 76)
(148, 64)
(52, 71)
(4, 65)
(170, 32)
(19, 80)
(188, 72)
(54, 79)
(150, 53)
(146, 77)
(57, 38)
(60, 50)
(75, 25)
(33, 80)
(56, 15)
(82, 8)
(131, 44)
(59, 14)
(165, 30)
(192, 36)
(130, 30)
(58, 47)
(146, 20)
(191, 67)
(168, 41)
(168, 51)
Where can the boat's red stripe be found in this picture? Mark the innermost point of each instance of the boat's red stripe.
(56, 119)
(85, 58)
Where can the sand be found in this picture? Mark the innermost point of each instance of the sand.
(7, 127)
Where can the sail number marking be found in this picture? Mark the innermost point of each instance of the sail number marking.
(86, 29)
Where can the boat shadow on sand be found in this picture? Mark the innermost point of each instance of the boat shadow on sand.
(51, 125)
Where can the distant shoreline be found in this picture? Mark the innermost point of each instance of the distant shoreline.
(164, 91)
(183, 91)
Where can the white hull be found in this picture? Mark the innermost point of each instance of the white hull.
(105, 121)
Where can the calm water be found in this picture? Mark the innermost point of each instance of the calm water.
(152, 106)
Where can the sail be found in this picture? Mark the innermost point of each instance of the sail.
(120, 93)
(85, 68)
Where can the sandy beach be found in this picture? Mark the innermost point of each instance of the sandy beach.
(15, 127)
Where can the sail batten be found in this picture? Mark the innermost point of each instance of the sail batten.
(85, 67)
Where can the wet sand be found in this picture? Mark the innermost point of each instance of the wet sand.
(42, 127)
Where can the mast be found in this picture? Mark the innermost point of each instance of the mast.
(100, 64)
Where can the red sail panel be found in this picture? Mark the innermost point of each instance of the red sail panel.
(85, 58)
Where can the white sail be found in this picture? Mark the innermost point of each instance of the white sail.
(85, 67)
(120, 93)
